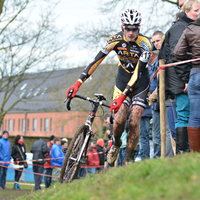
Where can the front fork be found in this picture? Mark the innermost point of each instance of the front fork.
(85, 144)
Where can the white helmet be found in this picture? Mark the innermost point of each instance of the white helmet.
(131, 17)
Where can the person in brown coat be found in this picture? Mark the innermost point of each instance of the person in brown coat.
(190, 39)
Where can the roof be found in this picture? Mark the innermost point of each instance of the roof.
(49, 96)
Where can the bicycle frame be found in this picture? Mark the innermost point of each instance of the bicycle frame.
(95, 105)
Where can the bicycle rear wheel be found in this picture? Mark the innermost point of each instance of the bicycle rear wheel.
(71, 166)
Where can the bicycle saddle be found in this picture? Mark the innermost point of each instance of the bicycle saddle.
(100, 97)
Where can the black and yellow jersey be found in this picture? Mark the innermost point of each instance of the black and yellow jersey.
(129, 54)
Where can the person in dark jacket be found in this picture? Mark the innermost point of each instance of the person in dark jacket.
(39, 150)
(47, 165)
(191, 39)
(18, 154)
(100, 150)
(5, 157)
(177, 77)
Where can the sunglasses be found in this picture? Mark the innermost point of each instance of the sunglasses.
(130, 29)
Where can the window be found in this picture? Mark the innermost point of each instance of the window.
(13, 125)
(51, 124)
(27, 125)
(23, 125)
(46, 124)
(10, 125)
(19, 125)
(62, 129)
(41, 124)
(34, 125)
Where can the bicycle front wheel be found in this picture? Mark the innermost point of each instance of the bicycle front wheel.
(71, 165)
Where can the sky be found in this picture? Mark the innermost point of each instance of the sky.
(72, 14)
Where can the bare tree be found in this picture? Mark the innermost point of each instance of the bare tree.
(1, 5)
(156, 15)
(29, 41)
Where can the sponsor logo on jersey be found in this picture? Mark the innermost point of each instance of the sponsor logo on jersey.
(119, 36)
(123, 44)
(121, 48)
(134, 50)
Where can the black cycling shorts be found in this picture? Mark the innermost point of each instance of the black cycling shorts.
(140, 91)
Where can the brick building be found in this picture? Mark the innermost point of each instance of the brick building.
(42, 113)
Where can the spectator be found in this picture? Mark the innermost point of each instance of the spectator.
(177, 77)
(47, 165)
(56, 152)
(5, 157)
(153, 98)
(144, 133)
(64, 144)
(122, 151)
(93, 157)
(100, 150)
(107, 122)
(82, 170)
(18, 154)
(190, 39)
(109, 143)
(154, 101)
(40, 150)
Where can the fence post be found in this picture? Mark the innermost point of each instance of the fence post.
(162, 111)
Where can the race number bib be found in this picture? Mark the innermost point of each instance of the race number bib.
(145, 56)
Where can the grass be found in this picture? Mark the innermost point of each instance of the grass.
(170, 178)
(13, 194)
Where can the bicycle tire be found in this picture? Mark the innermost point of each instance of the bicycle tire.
(70, 168)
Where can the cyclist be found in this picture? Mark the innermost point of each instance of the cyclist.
(132, 82)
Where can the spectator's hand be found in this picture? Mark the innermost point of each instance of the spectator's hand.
(115, 105)
(71, 92)
(185, 89)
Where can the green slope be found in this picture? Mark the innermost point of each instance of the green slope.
(170, 178)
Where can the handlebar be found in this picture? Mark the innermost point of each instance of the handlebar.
(84, 98)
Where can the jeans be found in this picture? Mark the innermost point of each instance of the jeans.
(171, 121)
(82, 173)
(156, 134)
(144, 138)
(174, 110)
(56, 174)
(169, 150)
(47, 179)
(91, 170)
(182, 109)
(3, 173)
(18, 174)
(194, 96)
(38, 178)
(121, 156)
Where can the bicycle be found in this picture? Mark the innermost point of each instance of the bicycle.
(77, 151)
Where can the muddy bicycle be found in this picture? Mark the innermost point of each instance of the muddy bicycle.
(77, 151)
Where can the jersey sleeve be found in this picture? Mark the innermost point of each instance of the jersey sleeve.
(88, 71)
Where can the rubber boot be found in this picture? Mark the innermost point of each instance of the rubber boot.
(18, 186)
(194, 138)
(15, 186)
(181, 140)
